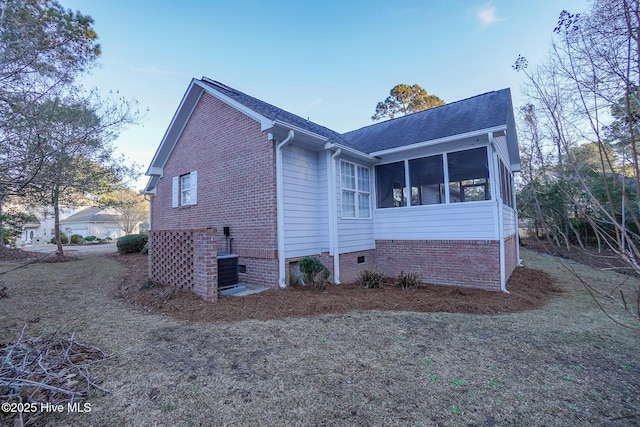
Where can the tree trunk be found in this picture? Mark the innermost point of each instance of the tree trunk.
(56, 216)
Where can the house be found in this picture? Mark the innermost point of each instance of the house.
(430, 192)
(94, 221)
(85, 221)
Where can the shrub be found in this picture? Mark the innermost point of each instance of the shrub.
(63, 238)
(312, 267)
(145, 250)
(132, 244)
(408, 280)
(370, 279)
(91, 238)
(107, 239)
(76, 238)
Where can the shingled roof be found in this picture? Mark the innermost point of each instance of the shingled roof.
(91, 215)
(275, 113)
(486, 111)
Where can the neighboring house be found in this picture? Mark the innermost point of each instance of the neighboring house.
(39, 228)
(430, 192)
(93, 221)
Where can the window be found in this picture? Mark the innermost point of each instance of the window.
(468, 175)
(426, 176)
(390, 185)
(184, 191)
(356, 190)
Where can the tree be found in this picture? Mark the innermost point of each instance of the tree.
(404, 99)
(43, 48)
(76, 133)
(586, 99)
(132, 207)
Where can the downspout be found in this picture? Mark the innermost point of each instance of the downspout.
(498, 199)
(280, 209)
(515, 213)
(335, 249)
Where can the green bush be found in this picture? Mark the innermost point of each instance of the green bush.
(107, 239)
(408, 280)
(312, 267)
(63, 238)
(370, 279)
(132, 244)
(76, 238)
(91, 238)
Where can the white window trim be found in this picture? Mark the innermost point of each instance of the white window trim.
(176, 190)
(356, 191)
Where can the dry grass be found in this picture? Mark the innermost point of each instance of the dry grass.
(564, 364)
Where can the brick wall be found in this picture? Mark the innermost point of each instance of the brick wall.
(510, 254)
(466, 263)
(236, 186)
(185, 258)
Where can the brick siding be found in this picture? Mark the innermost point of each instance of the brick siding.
(468, 263)
(510, 254)
(236, 187)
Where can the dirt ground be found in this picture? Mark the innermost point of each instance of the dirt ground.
(529, 289)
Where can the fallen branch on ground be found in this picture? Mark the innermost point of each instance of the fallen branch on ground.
(50, 369)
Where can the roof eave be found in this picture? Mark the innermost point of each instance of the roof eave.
(437, 141)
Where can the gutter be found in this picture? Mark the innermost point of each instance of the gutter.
(280, 208)
(333, 214)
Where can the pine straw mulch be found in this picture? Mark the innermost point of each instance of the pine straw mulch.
(529, 289)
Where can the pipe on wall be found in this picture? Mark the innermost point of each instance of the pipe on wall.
(280, 209)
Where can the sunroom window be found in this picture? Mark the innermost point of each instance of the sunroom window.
(391, 185)
(426, 177)
(468, 175)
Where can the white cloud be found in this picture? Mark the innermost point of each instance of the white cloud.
(487, 16)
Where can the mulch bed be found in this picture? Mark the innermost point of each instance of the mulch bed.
(529, 289)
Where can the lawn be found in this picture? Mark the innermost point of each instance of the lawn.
(563, 363)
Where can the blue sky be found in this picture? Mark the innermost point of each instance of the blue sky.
(329, 61)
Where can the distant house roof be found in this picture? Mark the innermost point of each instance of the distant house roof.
(91, 215)
(481, 112)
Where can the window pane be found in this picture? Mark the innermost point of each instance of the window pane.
(348, 204)
(390, 183)
(468, 175)
(426, 176)
(347, 175)
(363, 205)
(363, 179)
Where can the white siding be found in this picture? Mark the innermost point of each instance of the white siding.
(323, 199)
(509, 221)
(456, 221)
(502, 150)
(304, 210)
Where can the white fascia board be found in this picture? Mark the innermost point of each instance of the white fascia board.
(265, 123)
(154, 171)
(358, 154)
(437, 141)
